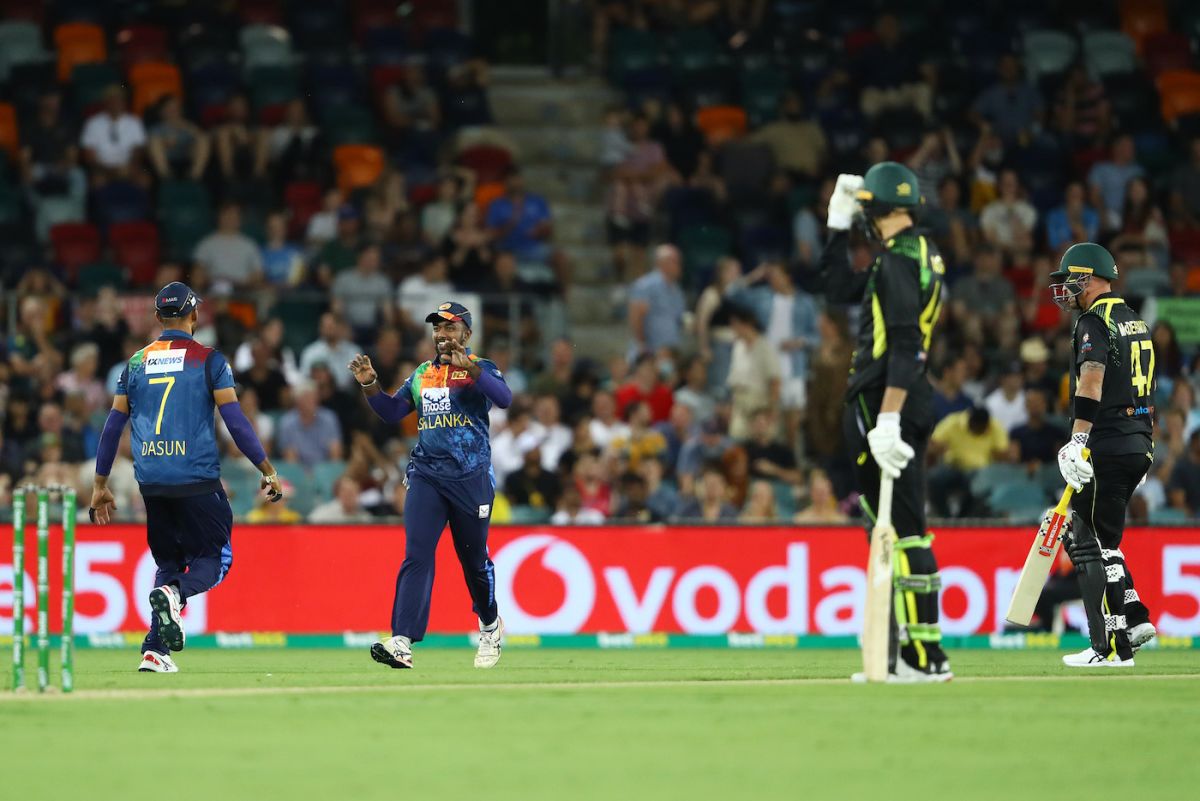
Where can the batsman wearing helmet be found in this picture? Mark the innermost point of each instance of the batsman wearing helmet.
(889, 410)
(1109, 452)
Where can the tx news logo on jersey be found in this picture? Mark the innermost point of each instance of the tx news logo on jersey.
(435, 400)
(165, 361)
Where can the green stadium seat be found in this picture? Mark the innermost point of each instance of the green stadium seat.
(631, 51)
(54, 209)
(785, 499)
(88, 82)
(1168, 516)
(1109, 53)
(1048, 52)
(272, 86)
(20, 43)
(702, 246)
(761, 92)
(986, 479)
(243, 492)
(350, 126)
(300, 317)
(529, 516)
(10, 205)
(303, 488)
(94, 277)
(1018, 496)
(325, 475)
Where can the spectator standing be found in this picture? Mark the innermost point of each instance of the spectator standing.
(713, 332)
(467, 248)
(309, 434)
(635, 186)
(755, 374)
(228, 256)
(791, 326)
(423, 291)
(656, 304)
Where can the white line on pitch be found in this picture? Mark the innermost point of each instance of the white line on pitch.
(235, 692)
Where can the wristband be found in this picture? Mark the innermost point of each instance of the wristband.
(1086, 408)
(272, 477)
(373, 382)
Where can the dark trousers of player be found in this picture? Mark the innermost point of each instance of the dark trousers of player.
(467, 506)
(917, 581)
(190, 540)
(1097, 526)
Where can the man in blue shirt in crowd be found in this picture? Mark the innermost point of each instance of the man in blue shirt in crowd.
(449, 479)
(169, 389)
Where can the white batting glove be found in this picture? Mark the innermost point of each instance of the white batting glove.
(1074, 468)
(842, 203)
(891, 453)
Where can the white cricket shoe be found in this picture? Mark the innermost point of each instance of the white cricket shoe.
(1088, 658)
(157, 663)
(489, 646)
(394, 652)
(907, 674)
(167, 610)
(1141, 634)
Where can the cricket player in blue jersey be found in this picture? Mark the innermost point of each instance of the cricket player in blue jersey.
(169, 390)
(449, 478)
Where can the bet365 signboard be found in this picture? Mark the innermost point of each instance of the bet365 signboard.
(708, 580)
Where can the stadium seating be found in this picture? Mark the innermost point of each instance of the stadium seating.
(78, 43)
(135, 247)
(74, 245)
(151, 81)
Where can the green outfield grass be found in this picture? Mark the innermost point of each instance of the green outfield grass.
(556, 724)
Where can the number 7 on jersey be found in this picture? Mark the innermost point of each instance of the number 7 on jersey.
(169, 380)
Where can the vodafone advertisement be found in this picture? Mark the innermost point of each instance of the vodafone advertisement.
(779, 580)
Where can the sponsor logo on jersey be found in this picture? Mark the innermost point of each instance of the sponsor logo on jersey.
(458, 375)
(165, 361)
(435, 400)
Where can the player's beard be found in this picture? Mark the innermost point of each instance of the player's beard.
(441, 347)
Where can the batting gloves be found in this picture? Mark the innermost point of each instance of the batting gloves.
(1075, 469)
(843, 203)
(891, 453)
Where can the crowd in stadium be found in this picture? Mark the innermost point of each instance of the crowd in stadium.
(726, 404)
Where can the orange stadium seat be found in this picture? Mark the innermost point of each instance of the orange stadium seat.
(721, 123)
(152, 80)
(357, 165)
(486, 193)
(1141, 19)
(10, 132)
(1179, 93)
(78, 43)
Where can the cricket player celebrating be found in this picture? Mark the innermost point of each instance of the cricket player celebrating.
(1113, 378)
(449, 477)
(169, 389)
(889, 412)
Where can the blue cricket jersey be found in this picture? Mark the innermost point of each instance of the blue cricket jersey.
(170, 385)
(452, 426)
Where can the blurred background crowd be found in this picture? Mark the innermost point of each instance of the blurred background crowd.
(637, 229)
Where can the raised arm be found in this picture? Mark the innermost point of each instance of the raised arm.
(388, 408)
(842, 283)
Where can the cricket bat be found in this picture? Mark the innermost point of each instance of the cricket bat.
(1041, 558)
(878, 611)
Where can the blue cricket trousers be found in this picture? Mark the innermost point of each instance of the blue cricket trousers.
(467, 506)
(190, 540)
